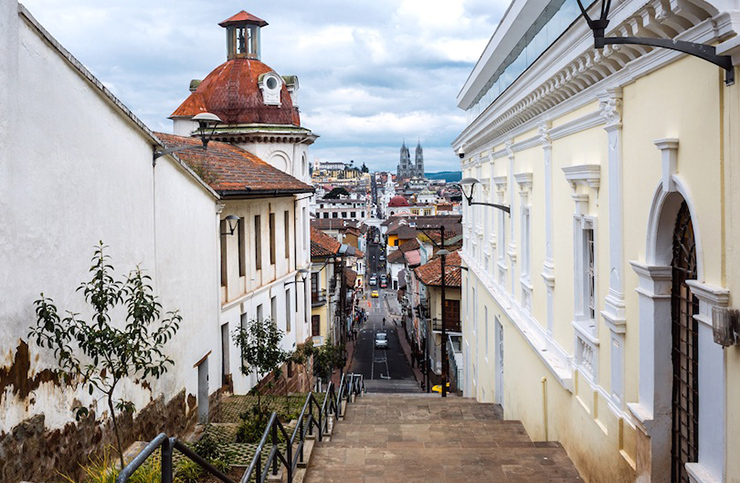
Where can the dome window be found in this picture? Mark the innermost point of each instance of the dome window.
(270, 85)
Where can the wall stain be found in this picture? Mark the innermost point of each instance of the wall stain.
(17, 374)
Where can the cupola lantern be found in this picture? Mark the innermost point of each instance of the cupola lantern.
(243, 35)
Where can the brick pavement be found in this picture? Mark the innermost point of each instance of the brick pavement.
(421, 438)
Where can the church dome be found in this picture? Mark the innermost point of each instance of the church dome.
(234, 92)
(243, 90)
(398, 201)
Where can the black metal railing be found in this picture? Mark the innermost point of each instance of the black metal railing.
(450, 325)
(314, 416)
(318, 298)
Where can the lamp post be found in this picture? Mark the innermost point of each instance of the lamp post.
(706, 52)
(205, 121)
(233, 222)
(303, 274)
(467, 186)
(443, 253)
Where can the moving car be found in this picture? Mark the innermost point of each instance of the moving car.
(381, 258)
(374, 294)
(373, 281)
(383, 283)
(381, 340)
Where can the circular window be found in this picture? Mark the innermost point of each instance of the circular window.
(271, 83)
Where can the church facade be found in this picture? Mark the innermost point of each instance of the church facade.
(408, 170)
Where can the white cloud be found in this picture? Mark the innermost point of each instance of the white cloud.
(371, 73)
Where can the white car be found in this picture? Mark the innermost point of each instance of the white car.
(373, 281)
(381, 340)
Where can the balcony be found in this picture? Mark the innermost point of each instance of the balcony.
(318, 298)
(450, 326)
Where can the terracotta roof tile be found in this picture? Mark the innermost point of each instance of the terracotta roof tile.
(431, 273)
(232, 93)
(243, 17)
(322, 245)
(230, 170)
(396, 257)
(350, 277)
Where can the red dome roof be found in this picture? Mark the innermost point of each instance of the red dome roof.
(397, 201)
(232, 93)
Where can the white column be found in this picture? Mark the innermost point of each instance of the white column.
(548, 267)
(614, 312)
(512, 241)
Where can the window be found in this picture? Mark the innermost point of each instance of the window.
(257, 242)
(273, 309)
(272, 238)
(589, 275)
(335, 215)
(288, 311)
(344, 214)
(260, 313)
(286, 227)
(585, 272)
(242, 249)
(315, 325)
(326, 215)
(353, 214)
(224, 254)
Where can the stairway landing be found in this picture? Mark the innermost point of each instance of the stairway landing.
(413, 438)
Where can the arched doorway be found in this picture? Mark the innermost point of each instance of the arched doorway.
(684, 349)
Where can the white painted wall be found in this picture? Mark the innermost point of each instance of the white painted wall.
(76, 169)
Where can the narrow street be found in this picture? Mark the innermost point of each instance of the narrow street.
(384, 370)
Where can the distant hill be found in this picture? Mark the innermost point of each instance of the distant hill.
(449, 176)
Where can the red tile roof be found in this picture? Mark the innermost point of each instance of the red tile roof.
(396, 257)
(232, 93)
(232, 171)
(322, 245)
(431, 273)
(243, 17)
(350, 277)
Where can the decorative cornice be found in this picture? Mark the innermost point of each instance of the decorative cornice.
(524, 180)
(501, 182)
(529, 98)
(588, 174)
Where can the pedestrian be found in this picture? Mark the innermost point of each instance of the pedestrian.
(383, 321)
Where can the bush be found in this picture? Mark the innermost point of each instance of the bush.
(102, 469)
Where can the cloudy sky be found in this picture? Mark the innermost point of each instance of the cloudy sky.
(372, 73)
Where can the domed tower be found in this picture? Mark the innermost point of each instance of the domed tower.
(258, 106)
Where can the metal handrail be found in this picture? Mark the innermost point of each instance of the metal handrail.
(167, 445)
(330, 406)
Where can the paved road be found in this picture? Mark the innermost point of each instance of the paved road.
(385, 370)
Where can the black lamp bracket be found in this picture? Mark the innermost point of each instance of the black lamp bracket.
(497, 206)
(706, 52)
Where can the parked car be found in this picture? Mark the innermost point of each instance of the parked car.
(374, 294)
(381, 258)
(383, 283)
(381, 340)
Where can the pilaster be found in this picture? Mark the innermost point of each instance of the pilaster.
(548, 267)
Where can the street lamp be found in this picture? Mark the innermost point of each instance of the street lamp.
(706, 52)
(206, 121)
(233, 222)
(302, 274)
(467, 185)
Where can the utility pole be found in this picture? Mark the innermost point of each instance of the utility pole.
(443, 253)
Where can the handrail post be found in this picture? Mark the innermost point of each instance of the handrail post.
(167, 461)
(274, 443)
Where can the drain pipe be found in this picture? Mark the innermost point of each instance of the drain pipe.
(544, 405)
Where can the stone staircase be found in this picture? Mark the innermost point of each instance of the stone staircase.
(423, 438)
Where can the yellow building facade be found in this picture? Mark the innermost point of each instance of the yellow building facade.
(590, 311)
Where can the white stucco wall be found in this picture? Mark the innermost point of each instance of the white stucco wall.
(76, 169)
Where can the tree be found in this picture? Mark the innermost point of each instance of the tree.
(335, 193)
(259, 344)
(302, 356)
(101, 352)
(327, 358)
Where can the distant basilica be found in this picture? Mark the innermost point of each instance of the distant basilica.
(407, 170)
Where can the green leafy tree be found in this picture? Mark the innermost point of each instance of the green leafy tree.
(100, 352)
(335, 193)
(259, 344)
(327, 358)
